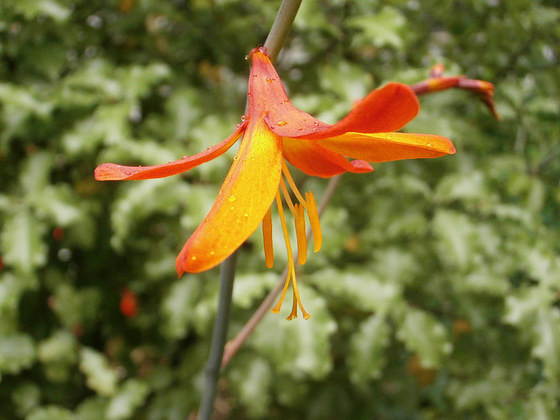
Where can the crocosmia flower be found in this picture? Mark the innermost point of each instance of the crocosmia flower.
(275, 132)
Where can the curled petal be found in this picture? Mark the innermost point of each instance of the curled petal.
(244, 199)
(384, 147)
(386, 109)
(114, 172)
(315, 160)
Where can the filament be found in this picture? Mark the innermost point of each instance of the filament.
(314, 220)
(267, 238)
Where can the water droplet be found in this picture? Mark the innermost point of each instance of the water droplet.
(185, 156)
(193, 258)
(269, 80)
(301, 128)
(316, 123)
(246, 215)
(232, 208)
(128, 173)
(232, 198)
(243, 117)
(429, 144)
(282, 122)
(212, 253)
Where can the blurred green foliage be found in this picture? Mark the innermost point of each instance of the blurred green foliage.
(436, 294)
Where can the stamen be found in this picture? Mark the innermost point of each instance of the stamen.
(287, 196)
(267, 238)
(300, 233)
(314, 220)
(292, 184)
(291, 267)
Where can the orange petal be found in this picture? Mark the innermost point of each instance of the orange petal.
(268, 96)
(315, 160)
(384, 147)
(114, 172)
(386, 109)
(244, 199)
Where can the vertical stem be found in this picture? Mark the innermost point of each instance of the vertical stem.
(281, 26)
(219, 335)
(274, 41)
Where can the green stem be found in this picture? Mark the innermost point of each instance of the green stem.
(219, 335)
(281, 26)
(274, 41)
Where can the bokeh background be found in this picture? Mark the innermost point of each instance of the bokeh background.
(436, 293)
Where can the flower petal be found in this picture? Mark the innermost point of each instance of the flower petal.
(384, 147)
(114, 172)
(267, 95)
(315, 160)
(386, 109)
(245, 196)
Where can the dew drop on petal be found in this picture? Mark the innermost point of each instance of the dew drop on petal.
(282, 122)
(316, 123)
(232, 198)
(193, 258)
(429, 144)
(269, 80)
(185, 157)
(246, 215)
(243, 117)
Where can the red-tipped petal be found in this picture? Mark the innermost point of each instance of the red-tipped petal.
(114, 172)
(384, 147)
(268, 96)
(315, 160)
(386, 109)
(244, 199)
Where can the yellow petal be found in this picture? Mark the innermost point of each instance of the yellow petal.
(384, 147)
(244, 199)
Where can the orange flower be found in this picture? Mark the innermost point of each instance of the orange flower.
(274, 132)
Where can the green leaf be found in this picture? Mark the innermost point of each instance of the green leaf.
(32, 9)
(367, 355)
(360, 290)
(92, 408)
(130, 397)
(138, 201)
(26, 396)
(60, 348)
(251, 384)
(99, 375)
(21, 242)
(178, 307)
(457, 239)
(250, 288)
(51, 413)
(423, 334)
(35, 172)
(547, 344)
(17, 352)
(385, 28)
